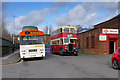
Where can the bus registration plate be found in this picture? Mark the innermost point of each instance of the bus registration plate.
(33, 55)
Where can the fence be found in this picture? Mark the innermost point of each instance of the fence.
(5, 45)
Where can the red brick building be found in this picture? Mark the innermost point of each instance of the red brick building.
(89, 42)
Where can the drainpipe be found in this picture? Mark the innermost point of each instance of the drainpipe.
(83, 43)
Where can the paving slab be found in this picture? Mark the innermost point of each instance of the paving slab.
(14, 57)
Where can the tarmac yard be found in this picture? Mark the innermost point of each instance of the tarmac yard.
(56, 66)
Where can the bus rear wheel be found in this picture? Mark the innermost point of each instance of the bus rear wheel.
(75, 53)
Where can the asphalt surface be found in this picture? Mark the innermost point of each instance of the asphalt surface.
(56, 66)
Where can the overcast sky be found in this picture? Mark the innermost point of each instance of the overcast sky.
(57, 14)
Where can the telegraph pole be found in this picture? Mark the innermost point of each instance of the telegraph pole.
(13, 30)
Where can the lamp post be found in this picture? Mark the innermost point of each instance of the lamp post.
(13, 30)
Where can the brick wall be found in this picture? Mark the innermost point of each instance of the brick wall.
(100, 47)
(113, 23)
(83, 42)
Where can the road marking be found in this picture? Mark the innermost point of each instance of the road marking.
(19, 61)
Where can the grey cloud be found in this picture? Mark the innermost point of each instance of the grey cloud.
(33, 18)
(56, 5)
(87, 14)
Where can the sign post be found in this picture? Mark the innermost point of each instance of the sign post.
(110, 31)
(102, 37)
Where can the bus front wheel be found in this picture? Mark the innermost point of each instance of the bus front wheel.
(61, 52)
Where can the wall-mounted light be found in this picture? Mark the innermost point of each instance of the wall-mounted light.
(89, 34)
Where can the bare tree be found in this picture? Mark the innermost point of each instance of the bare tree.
(45, 30)
(79, 27)
(50, 29)
(4, 33)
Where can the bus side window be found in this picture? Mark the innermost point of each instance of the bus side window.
(61, 41)
(58, 42)
(60, 30)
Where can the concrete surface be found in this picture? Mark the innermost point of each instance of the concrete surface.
(13, 57)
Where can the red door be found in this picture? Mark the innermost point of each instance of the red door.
(112, 43)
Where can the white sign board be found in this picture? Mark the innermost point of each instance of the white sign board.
(110, 31)
(102, 38)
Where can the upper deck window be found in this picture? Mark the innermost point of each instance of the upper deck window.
(72, 30)
(66, 30)
(57, 31)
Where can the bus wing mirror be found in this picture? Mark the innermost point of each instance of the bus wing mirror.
(118, 50)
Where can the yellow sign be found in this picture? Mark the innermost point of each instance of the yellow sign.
(38, 45)
(24, 39)
(33, 39)
(35, 32)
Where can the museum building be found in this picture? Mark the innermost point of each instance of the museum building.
(104, 38)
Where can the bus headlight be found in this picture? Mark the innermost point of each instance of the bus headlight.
(23, 50)
(23, 53)
(65, 47)
(41, 49)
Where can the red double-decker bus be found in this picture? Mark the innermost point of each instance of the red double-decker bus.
(63, 40)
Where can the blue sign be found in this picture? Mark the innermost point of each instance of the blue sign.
(69, 35)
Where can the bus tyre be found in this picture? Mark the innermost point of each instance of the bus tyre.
(41, 58)
(21, 59)
(115, 64)
(61, 51)
(52, 52)
(75, 53)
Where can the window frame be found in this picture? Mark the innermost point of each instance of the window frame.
(92, 41)
(87, 42)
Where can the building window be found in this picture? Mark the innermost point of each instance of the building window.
(87, 43)
(92, 42)
(79, 44)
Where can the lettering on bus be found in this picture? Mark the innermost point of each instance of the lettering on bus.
(38, 45)
(30, 38)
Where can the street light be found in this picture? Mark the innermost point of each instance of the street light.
(13, 29)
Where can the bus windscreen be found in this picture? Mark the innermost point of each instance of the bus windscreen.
(27, 40)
